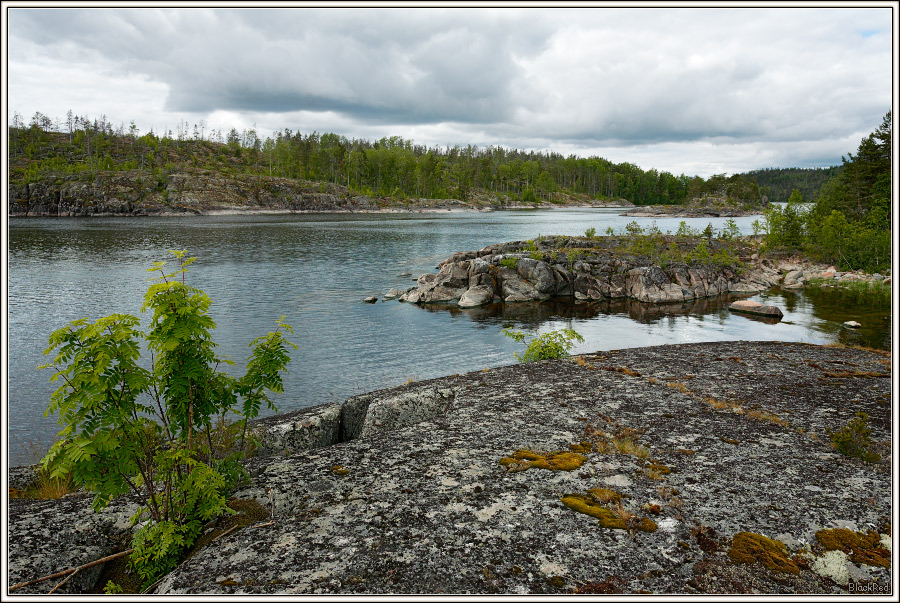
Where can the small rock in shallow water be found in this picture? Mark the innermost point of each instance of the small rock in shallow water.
(753, 307)
(852, 324)
(371, 300)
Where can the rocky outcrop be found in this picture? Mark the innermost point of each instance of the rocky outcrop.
(139, 192)
(424, 489)
(510, 272)
(142, 192)
(191, 190)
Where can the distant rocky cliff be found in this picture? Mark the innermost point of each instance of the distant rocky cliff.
(198, 191)
(140, 193)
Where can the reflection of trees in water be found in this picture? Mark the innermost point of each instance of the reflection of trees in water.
(790, 299)
(837, 306)
(831, 307)
(533, 314)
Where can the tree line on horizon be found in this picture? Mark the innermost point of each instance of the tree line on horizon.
(389, 167)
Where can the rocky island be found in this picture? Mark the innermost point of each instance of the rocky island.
(657, 269)
(702, 207)
(697, 468)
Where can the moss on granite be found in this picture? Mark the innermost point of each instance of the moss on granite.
(553, 461)
(863, 548)
(747, 547)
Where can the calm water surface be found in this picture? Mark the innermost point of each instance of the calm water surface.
(316, 268)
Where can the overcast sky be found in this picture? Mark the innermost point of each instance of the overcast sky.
(686, 90)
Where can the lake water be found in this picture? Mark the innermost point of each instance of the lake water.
(315, 269)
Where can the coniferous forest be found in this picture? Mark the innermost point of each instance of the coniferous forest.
(390, 167)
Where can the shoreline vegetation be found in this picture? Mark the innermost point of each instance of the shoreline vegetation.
(82, 167)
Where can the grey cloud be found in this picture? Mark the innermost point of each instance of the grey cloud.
(429, 66)
(588, 78)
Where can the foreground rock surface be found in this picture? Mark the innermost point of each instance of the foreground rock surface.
(403, 491)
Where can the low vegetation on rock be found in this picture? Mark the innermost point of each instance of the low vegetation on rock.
(555, 344)
(854, 439)
(127, 429)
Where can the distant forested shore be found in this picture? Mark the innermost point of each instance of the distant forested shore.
(80, 166)
(393, 170)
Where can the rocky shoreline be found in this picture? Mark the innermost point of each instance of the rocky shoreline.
(142, 193)
(729, 478)
(681, 211)
(583, 269)
(586, 269)
(708, 206)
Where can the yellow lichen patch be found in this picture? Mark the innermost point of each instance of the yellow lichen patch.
(730, 441)
(614, 519)
(582, 362)
(679, 386)
(846, 374)
(583, 447)
(747, 547)
(561, 461)
(661, 469)
(605, 495)
(759, 414)
(607, 518)
(527, 455)
(721, 404)
(340, 470)
(553, 461)
(863, 548)
(622, 369)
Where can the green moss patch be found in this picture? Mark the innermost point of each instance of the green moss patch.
(862, 548)
(747, 547)
(553, 461)
(612, 520)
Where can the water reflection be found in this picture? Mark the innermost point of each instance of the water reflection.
(534, 314)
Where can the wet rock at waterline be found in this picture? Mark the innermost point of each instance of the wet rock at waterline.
(753, 307)
(852, 324)
(440, 486)
(476, 296)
